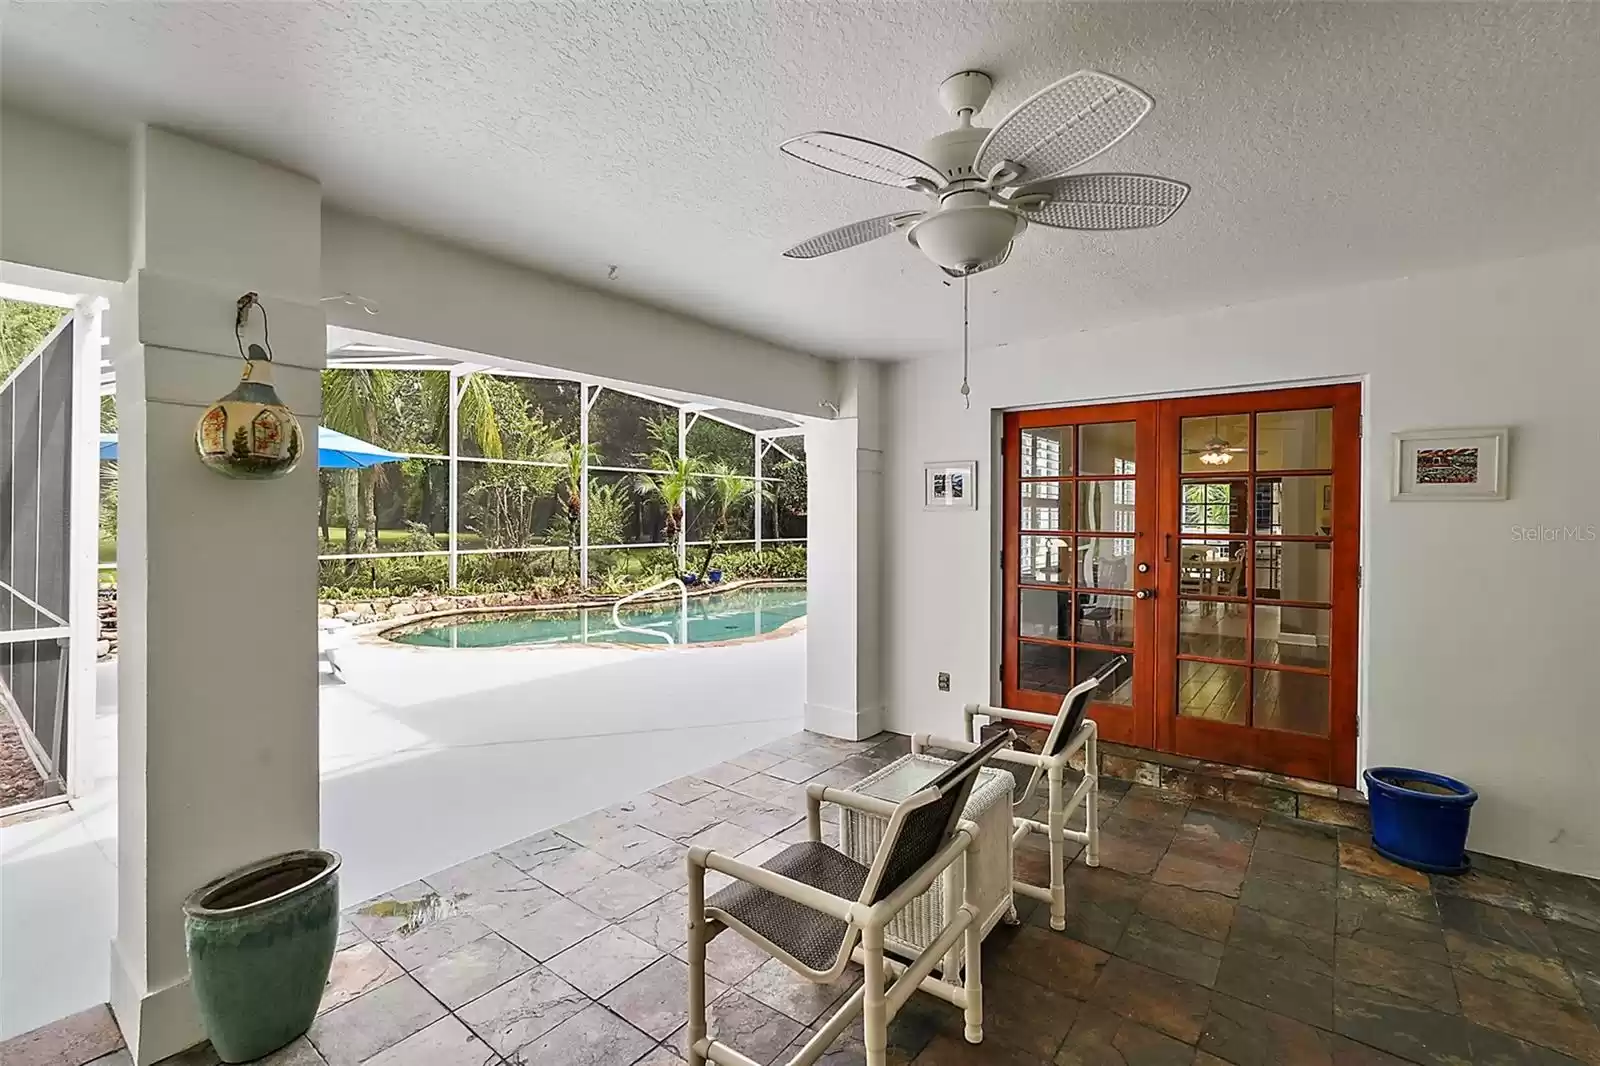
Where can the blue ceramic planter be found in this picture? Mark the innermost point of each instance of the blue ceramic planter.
(1420, 819)
(260, 944)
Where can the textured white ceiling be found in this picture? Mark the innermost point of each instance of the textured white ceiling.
(1326, 143)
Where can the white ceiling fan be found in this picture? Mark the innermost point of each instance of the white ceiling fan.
(988, 184)
(1219, 451)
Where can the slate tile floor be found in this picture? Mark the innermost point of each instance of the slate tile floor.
(1211, 935)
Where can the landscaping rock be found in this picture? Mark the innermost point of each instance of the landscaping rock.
(403, 610)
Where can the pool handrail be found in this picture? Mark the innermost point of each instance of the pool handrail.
(683, 617)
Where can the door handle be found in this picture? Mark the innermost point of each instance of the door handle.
(1145, 594)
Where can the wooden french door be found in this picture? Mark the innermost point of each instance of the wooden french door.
(1080, 561)
(1213, 540)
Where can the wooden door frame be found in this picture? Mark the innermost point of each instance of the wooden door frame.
(1333, 758)
(1135, 725)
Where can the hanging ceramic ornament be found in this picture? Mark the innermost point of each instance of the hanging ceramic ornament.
(249, 433)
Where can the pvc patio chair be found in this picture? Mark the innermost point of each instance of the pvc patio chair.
(1070, 730)
(331, 635)
(810, 905)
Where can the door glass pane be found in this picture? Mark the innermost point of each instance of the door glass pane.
(1210, 690)
(1107, 448)
(1297, 702)
(1042, 613)
(1215, 444)
(1215, 630)
(1295, 506)
(1211, 567)
(1293, 570)
(1046, 505)
(1296, 636)
(1295, 440)
(1044, 668)
(1116, 688)
(1105, 562)
(1106, 506)
(1047, 452)
(1214, 507)
(1104, 618)
(1045, 561)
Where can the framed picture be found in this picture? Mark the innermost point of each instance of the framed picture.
(1451, 464)
(948, 486)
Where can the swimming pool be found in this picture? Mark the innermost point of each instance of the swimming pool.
(735, 615)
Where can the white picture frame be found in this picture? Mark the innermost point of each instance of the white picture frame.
(950, 486)
(1466, 463)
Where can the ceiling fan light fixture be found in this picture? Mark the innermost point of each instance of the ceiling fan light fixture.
(961, 237)
(1216, 453)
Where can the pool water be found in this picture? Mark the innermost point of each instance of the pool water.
(735, 615)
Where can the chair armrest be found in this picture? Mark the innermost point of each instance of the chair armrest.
(790, 889)
(1009, 715)
(856, 801)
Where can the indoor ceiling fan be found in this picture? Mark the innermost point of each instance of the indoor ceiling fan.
(988, 184)
(1218, 450)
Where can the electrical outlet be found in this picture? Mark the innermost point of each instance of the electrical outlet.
(944, 681)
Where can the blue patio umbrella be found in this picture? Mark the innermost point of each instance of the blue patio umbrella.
(335, 450)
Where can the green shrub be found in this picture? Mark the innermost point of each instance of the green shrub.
(613, 572)
(782, 561)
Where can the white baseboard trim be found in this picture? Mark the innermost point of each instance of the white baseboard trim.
(156, 1025)
(846, 723)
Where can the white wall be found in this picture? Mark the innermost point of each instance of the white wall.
(64, 206)
(429, 291)
(1476, 643)
(63, 198)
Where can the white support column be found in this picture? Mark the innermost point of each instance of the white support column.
(583, 504)
(217, 681)
(683, 501)
(761, 446)
(454, 474)
(844, 501)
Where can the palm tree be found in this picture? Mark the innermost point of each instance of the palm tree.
(576, 457)
(674, 483)
(356, 402)
(479, 420)
(729, 492)
(477, 412)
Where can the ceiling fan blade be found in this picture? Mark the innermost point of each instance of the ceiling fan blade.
(837, 240)
(1102, 201)
(857, 157)
(987, 264)
(1064, 125)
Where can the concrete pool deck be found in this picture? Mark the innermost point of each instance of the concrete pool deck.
(429, 757)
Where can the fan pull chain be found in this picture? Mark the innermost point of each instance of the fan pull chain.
(966, 323)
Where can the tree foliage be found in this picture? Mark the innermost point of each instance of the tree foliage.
(22, 327)
(521, 481)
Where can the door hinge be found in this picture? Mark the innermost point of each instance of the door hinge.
(1002, 560)
(1361, 577)
(1361, 425)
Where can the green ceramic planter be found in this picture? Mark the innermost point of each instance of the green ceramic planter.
(260, 945)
